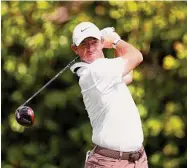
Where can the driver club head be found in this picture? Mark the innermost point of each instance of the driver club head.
(25, 116)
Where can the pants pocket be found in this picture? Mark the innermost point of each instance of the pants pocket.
(99, 161)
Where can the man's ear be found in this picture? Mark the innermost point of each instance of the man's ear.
(74, 48)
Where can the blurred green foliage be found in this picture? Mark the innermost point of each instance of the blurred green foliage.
(36, 39)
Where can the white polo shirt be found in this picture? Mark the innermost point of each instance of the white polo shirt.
(113, 114)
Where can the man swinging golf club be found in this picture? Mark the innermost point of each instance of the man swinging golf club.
(114, 117)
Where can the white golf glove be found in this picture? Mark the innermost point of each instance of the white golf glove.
(107, 30)
(110, 36)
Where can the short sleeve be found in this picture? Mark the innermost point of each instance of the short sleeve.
(83, 72)
(107, 72)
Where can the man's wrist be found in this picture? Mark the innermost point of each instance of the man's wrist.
(114, 44)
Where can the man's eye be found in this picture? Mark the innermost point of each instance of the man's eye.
(94, 42)
(83, 44)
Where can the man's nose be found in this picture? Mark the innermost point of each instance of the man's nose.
(88, 46)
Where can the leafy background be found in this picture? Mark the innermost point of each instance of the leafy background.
(36, 39)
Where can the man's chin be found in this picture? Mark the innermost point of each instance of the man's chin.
(89, 60)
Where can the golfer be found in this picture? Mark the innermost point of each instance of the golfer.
(117, 131)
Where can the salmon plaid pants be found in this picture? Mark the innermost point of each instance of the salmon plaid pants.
(99, 161)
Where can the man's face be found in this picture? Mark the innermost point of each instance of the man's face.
(89, 49)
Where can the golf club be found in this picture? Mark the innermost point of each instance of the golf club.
(24, 114)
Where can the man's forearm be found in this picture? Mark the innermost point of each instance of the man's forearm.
(130, 54)
(128, 78)
(124, 49)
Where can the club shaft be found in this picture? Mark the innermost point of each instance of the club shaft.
(43, 87)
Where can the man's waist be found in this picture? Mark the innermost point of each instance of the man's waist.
(131, 155)
(122, 148)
